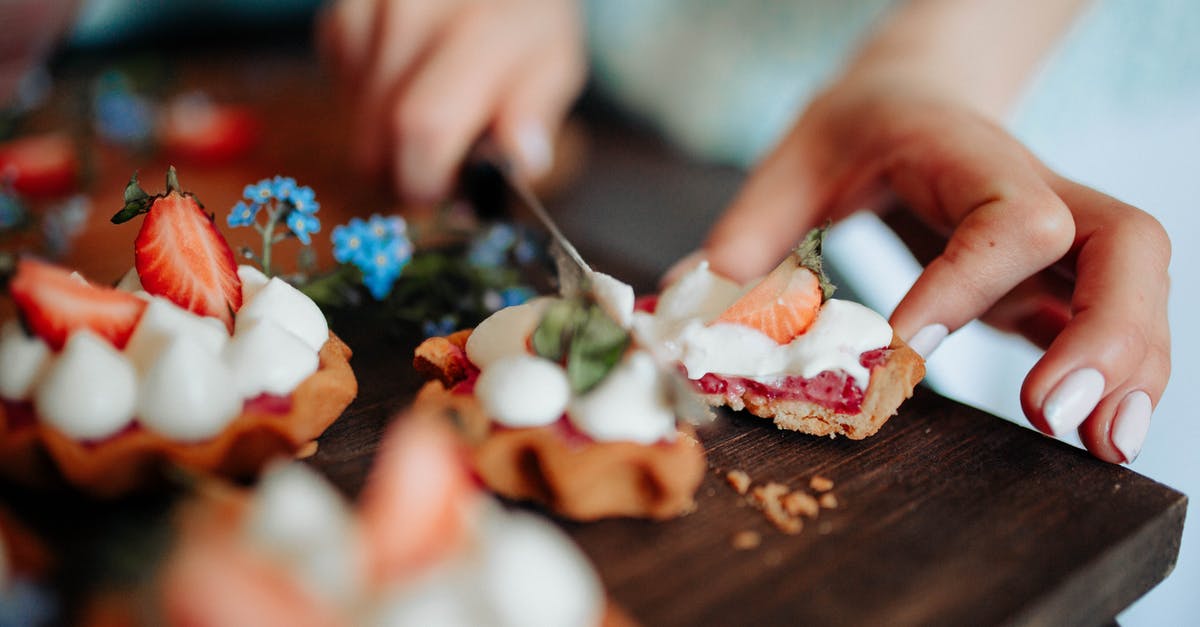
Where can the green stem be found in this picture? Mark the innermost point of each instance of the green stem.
(267, 233)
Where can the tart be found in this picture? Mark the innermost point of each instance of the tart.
(423, 547)
(782, 348)
(190, 361)
(539, 430)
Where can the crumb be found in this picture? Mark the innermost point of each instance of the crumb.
(828, 501)
(746, 540)
(798, 503)
(308, 450)
(738, 480)
(768, 498)
(821, 484)
(773, 558)
(825, 528)
(709, 492)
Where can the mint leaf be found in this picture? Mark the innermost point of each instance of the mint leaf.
(553, 334)
(808, 255)
(596, 347)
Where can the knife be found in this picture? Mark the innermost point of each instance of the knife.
(574, 274)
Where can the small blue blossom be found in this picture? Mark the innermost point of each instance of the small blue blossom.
(350, 242)
(302, 224)
(303, 199)
(515, 295)
(525, 251)
(489, 249)
(282, 187)
(443, 326)
(383, 228)
(243, 214)
(260, 192)
(380, 283)
(12, 211)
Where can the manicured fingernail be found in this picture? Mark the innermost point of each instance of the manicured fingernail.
(535, 150)
(1131, 424)
(417, 178)
(682, 267)
(1074, 398)
(928, 339)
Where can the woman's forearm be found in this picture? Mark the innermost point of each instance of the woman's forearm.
(980, 52)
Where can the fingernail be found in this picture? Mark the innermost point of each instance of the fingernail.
(535, 150)
(416, 177)
(682, 267)
(928, 339)
(1074, 398)
(1131, 424)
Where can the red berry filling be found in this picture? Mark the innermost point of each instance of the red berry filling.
(833, 388)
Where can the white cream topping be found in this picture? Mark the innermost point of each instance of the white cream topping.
(253, 280)
(187, 394)
(614, 296)
(287, 307)
(23, 360)
(162, 321)
(534, 576)
(628, 404)
(130, 282)
(89, 391)
(842, 331)
(523, 391)
(301, 520)
(505, 333)
(266, 358)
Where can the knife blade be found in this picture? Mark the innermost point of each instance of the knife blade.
(574, 274)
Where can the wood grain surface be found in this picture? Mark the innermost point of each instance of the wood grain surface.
(946, 516)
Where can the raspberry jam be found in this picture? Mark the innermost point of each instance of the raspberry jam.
(833, 388)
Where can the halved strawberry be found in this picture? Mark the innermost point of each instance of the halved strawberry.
(180, 255)
(55, 303)
(786, 302)
(40, 165)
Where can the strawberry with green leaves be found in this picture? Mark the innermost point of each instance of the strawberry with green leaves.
(179, 253)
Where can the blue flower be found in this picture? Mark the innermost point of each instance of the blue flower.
(383, 228)
(304, 200)
(260, 192)
(243, 214)
(379, 283)
(515, 295)
(282, 187)
(351, 243)
(489, 249)
(302, 224)
(443, 326)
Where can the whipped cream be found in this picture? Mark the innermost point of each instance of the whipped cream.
(23, 360)
(505, 333)
(90, 390)
(680, 330)
(287, 307)
(187, 394)
(520, 389)
(190, 378)
(523, 391)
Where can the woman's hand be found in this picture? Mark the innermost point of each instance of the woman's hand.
(430, 76)
(1080, 273)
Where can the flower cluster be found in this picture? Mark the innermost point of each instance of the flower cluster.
(283, 202)
(378, 246)
(491, 247)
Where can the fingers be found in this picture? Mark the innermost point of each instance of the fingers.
(1110, 365)
(533, 110)
(781, 199)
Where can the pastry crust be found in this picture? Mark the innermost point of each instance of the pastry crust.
(579, 479)
(135, 459)
(891, 384)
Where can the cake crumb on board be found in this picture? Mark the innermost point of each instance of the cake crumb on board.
(746, 540)
(821, 484)
(738, 480)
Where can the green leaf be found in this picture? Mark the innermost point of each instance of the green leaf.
(596, 347)
(172, 180)
(553, 334)
(137, 201)
(808, 255)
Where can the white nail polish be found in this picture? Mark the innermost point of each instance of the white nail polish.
(536, 151)
(1074, 398)
(928, 339)
(1131, 424)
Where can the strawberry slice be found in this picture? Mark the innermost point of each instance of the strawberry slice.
(40, 165)
(56, 302)
(180, 255)
(786, 302)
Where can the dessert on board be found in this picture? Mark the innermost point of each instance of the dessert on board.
(190, 360)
